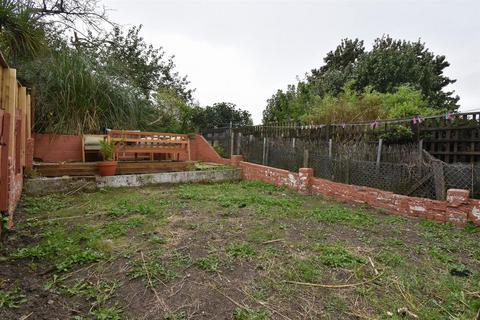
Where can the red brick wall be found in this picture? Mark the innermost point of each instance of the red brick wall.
(56, 148)
(200, 149)
(278, 177)
(391, 202)
(458, 208)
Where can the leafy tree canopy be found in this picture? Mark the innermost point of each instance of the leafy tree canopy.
(385, 69)
(220, 114)
(91, 74)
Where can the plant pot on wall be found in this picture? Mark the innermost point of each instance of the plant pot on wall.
(107, 168)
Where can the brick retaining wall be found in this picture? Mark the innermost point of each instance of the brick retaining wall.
(457, 209)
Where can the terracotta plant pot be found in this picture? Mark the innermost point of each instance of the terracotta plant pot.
(107, 168)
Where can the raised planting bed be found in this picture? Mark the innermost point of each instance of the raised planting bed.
(124, 167)
(70, 184)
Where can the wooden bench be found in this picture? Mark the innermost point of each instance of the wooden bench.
(172, 145)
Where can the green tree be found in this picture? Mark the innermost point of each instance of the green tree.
(392, 63)
(220, 115)
(389, 66)
(174, 112)
(21, 35)
(339, 68)
(128, 58)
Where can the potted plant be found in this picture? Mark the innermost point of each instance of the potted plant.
(108, 166)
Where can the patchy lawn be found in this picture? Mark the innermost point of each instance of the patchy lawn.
(240, 251)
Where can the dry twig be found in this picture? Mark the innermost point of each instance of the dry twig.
(160, 300)
(373, 265)
(335, 286)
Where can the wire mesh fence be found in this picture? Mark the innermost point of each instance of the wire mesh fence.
(221, 139)
(402, 169)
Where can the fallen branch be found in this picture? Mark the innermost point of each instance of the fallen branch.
(26, 316)
(335, 286)
(272, 241)
(238, 304)
(373, 265)
(78, 189)
(160, 300)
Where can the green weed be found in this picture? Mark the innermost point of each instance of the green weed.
(247, 314)
(45, 204)
(12, 299)
(151, 268)
(180, 259)
(344, 215)
(441, 255)
(390, 258)
(240, 250)
(337, 256)
(108, 313)
(176, 316)
(98, 293)
(304, 270)
(210, 263)
(79, 258)
(66, 248)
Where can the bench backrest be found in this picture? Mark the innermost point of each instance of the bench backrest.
(136, 141)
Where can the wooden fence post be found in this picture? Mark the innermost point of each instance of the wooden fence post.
(232, 139)
(22, 106)
(330, 143)
(439, 180)
(379, 152)
(29, 116)
(305, 158)
(239, 142)
(9, 100)
(264, 152)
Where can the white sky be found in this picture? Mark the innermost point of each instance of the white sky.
(243, 51)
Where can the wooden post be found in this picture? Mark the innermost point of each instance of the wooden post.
(420, 149)
(330, 148)
(232, 139)
(264, 152)
(29, 116)
(239, 141)
(439, 180)
(8, 102)
(305, 158)
(22, 106)
(293, 143)
(379, 152)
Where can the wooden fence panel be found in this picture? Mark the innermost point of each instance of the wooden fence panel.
(4, 173)
(15, 137)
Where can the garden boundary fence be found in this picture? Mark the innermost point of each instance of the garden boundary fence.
(452, 137)
(403, 169)
(16, 143)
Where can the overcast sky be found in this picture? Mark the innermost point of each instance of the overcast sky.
(243, 51)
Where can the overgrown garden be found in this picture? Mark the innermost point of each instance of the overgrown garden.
(241, 250)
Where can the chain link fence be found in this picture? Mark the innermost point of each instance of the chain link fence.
(403, 169)
(221, 140)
